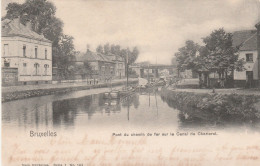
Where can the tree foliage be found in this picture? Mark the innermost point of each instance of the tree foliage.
(116, 50)
(222, 55)
(41, 15)
(65, 56)
(100, 49)
(107, 49)
(186, 56)
(217, 56)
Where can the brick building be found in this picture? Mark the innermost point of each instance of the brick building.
(103, 67)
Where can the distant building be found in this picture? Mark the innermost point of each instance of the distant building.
(119, 64)
(26, 55)
(102, 66)
(246, 41)
(186, 74)
(144, 70)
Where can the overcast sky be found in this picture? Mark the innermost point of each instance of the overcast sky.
(157, 27)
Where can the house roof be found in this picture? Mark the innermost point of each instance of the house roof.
(113, 57)
(245, 40)
(16, 28)
(92, 56)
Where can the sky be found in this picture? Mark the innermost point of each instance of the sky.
(157, 27)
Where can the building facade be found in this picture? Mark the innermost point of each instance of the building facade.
(246, 41)
(258, 50)
(27, 52)
(103, 68)
(119, 65)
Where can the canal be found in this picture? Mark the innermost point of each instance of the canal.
(83, 128)
(88, 109)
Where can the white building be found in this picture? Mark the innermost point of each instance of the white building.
(26, 55)
(246, 41)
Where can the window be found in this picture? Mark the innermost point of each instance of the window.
(24, 68)
(111, 70)
(103, 69)
(46, 69)
(36, 67)
(45, 53)
(6, 64)
(24, 50)
(6, 49)
(249, 57)
(36, 51)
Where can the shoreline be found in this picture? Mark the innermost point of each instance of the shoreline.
(23, 94)
(218, 107)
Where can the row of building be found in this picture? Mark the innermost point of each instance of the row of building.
(27, 58)
(104, 67)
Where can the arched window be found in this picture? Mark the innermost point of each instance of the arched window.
(36, 67)
(46, 66)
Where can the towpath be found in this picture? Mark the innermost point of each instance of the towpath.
(54, 86)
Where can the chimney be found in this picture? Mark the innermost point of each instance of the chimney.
(88, 48)
(17, 21)
(258, 50)
(28, 25)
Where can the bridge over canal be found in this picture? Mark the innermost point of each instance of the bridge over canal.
(153, 70)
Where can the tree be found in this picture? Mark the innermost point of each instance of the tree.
(115, 49)
(100, 49)
(53, 31)
(14, 10)
(107, 49)
(133, 55)
(223, 56)
(84, 70)
(65, 56)
(217, 56)
(38, 12)
(41, 15)
(186, 56)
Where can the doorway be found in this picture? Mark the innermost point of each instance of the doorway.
(249, 79)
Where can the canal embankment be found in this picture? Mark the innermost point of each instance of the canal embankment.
(22, 92)
(220, 107)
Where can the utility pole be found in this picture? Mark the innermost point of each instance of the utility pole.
(127, 68)
(148, 73)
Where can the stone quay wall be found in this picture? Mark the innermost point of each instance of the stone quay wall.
(9, 96)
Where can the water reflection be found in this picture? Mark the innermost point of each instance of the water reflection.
(30, 114)
(42, 111)
(145, 109)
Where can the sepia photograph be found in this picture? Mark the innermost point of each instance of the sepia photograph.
(130, 82)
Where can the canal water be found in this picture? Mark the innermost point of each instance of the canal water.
(89, 109)
(142, 129)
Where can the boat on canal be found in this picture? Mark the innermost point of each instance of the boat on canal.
(117, 93)
(125, 91)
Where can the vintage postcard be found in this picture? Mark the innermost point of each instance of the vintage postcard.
(130, 82)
